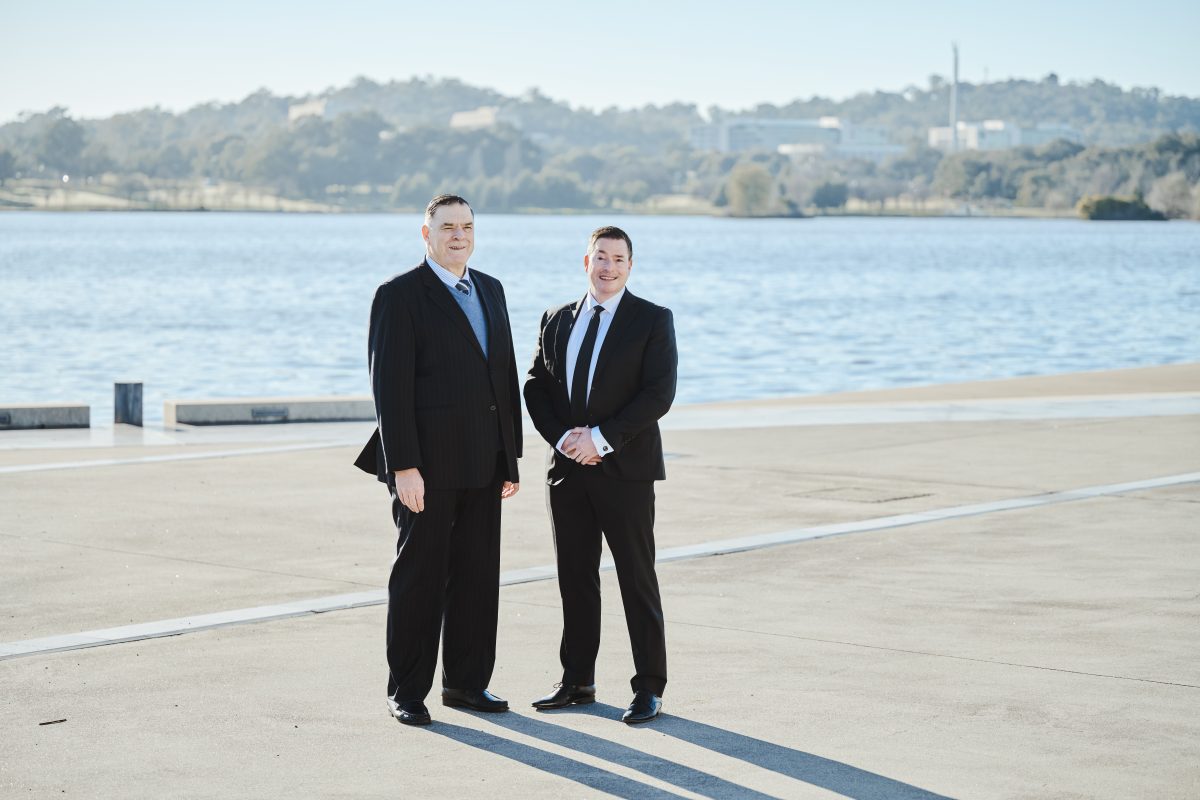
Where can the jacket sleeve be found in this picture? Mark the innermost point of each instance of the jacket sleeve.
(659, 373)
(539, 391)
(392, 357)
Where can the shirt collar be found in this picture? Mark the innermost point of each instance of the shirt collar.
(448, 277)
(610, 305)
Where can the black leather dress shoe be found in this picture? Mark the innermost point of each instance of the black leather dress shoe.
(567, 695)
(474, 699)
(410, 712)
(645, 707)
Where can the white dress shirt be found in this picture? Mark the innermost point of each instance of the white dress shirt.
(582, 320)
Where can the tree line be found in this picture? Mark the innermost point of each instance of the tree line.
(388, 146)
(1055, 177)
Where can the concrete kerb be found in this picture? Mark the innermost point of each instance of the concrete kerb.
(266, 410)
(33, 416)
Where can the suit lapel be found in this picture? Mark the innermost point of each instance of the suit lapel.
(436, 291)
(562, 336)
(492, 314)
(618, 331)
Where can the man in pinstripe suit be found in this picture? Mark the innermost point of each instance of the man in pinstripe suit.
(448, 439)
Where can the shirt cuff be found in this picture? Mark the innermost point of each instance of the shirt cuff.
(602, 445)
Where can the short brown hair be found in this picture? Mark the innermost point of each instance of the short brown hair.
(610, 232)
(445, 200)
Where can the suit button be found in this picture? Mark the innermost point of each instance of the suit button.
(491, 408)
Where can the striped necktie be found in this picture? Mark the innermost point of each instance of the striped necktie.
(463, 286)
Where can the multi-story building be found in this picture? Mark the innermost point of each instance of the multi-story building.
(739, 134)
(826, 136)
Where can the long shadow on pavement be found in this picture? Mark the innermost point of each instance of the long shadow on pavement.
(693, 780)
(593, 777)
(826, 773)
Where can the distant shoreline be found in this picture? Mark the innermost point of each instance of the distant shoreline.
(43, 196)
(1035, 214)
(975, 213)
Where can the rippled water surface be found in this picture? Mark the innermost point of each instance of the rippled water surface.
(212, 305)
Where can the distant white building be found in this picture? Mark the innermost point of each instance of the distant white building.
(830, 137)
(751, 133)
(483, 117)
(867, 142)
(997, 134)
(311, 108)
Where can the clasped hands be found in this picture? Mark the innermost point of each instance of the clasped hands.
(410, 488)
(579, 446)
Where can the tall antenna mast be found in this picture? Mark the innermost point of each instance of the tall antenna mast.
(954, 103)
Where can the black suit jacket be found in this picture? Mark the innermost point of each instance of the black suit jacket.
(442, 407)
(633, 386)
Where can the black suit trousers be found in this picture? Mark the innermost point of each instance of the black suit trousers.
(583, 506)
(444, 584)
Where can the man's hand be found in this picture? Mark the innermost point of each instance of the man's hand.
(410, 488)
(509, 489)
(581, 448)
(572, 438)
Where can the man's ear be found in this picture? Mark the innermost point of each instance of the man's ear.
(587, 261)
(425, 233)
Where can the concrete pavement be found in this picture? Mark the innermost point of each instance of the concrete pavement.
(1048, 651)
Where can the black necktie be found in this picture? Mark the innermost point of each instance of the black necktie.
(583, 364)
(463, 287)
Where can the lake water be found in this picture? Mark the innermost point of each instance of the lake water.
(199, 305)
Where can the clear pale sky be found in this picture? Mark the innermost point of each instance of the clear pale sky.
(98, 58)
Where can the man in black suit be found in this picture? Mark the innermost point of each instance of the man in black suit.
(447, 443)
(603, 374)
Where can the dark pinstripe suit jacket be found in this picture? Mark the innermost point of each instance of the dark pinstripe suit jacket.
(441, 406)
(632, 387)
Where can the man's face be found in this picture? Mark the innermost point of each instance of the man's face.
(450, 236)
(607, 265)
